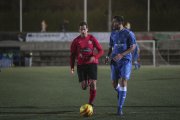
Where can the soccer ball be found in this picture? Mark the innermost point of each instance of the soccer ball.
(86, 110)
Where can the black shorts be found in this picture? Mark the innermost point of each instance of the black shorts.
(86, 72)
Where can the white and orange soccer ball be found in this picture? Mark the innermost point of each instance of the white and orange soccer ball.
(86, 110)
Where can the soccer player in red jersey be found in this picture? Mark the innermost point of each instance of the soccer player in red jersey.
(83, 49)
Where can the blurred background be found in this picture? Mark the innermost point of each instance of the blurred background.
(39, 33)
(164, 14)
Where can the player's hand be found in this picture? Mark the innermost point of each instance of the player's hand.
(92, 59)
(106, 60)
(72, 71)
(118, 57)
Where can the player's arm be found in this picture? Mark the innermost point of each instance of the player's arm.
(132, 41)
(107, 56)
(129, 50)
(99, 48)
(73, 54)
(107, 59)
(109, 51)
(121, 55)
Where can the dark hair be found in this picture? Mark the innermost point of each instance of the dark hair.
(83, 23)
(119, 19)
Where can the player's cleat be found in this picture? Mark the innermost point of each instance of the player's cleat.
(92, 105)
(119, 112)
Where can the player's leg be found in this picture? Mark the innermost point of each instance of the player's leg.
(82, 75)
(114, 78)
(122, 95)
(125, 72)
(135, 58)
(139, 61)
(136, 65)
(135, 61)
(92, 74)
(92, 91)
(84, 84)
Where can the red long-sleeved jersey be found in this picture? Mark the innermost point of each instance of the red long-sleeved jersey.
(83, 48)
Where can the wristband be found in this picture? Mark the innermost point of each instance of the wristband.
(107, 57)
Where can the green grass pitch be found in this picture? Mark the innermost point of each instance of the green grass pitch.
(52, 93)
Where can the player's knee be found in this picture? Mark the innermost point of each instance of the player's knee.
(123, 82)
(84, 87)
(115, 85)
(93, 85)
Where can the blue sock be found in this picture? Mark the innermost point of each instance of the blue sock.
(122, 97)
(136, 65)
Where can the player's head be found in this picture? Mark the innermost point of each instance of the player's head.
(128, 25)
(83, 28)
(117, 21)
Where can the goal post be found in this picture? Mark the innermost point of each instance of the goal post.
(148, 51)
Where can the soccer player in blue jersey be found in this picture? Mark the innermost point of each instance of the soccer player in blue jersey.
(136, 51)
(135, 55)
(122, 43)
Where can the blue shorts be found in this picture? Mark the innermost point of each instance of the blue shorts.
(122, 69)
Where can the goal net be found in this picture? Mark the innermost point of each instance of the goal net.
(147, 52)
(150, 54)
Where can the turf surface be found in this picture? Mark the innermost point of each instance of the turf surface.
(52, 93)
